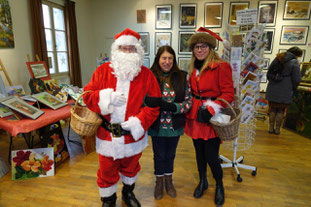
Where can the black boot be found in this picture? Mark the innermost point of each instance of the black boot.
(109, 201)
(203, 185)
(128, 196)
(219, 194)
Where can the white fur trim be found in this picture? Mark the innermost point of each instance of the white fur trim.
(127, 40)
(136, 128)
(214, 105)
(128, 180)
(118, 150)
(106, 192)
(104, 101)
(118, 114)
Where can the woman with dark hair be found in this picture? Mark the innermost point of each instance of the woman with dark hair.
(280, 92)
(165, 132)
(210, 79)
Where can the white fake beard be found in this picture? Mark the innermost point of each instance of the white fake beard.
(126, 66)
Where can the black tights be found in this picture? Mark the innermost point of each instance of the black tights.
(207, 151)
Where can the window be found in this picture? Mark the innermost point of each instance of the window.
(56, 40)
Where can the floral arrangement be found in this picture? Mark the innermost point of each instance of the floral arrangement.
(31, 164)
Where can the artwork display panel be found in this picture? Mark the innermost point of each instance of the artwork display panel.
(38, 70)
(183, 46)
(305, 72)
(144, 36)
(187, 15)
(49, 100)
(294, 35)
(163, 16)
(235, 6)
(213, 14)
(297, 10)
(269, 36)
(162, 39)
(267, 11)
(183, 63)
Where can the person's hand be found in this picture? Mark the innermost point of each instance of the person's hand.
(206, 115)
(152, 101)
(165, 106)
(117, 99)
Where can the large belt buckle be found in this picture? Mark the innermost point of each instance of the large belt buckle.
(116, 130)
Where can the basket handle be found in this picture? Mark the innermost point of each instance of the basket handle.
(77, 101)
(221, 99)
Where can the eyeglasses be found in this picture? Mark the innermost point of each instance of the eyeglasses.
(202, 47)
(128, 49)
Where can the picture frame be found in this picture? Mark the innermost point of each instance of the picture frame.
(38, 69)
(263, 77)
(49, 100)
(269, 36)
(163, 18)
(187, 16)
(5, 111)
(266, 63)
(305, 69)
(183, 63)
(23, 107)
(17, 90)
(213, 13)
(267, 11)
(300, 59)
(183, 47)
(145, 40)
(146, 62)
(294, 35)
(162, 39)
(297, 10)
(234, 6)
(141, 16)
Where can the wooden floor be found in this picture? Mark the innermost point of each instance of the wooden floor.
(283, 178)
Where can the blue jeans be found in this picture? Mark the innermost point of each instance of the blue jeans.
(164, 150)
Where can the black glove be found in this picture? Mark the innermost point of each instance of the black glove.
(165, 106)
(204, 115)
(152, 101)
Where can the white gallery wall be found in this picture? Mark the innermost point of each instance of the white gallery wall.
(99, 20)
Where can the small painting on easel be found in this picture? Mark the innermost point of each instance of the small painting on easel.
(39, 70)
(6, 28)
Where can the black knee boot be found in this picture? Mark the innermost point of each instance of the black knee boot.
(109, 201)
(219, 194)
(203, 185)
(128, 196)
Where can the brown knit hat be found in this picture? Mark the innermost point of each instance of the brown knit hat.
(204, 35)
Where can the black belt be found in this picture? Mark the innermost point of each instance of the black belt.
(115, 129)
(203, 98)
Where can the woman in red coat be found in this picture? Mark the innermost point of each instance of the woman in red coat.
(210, 79)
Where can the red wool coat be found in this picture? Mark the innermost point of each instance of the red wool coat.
(102, 83)
(214, 82)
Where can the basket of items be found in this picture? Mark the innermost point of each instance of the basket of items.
(84, 121)
(228, 131)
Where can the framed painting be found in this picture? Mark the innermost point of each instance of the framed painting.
(23, 107)
(17, 90)
(5, 111)
(141, 16)
(187, 15)
(183, 47)
(49, 100)
(294, 35)
(38, 70)
(163, 16)
(297, 10)
(147, 62)
(183, 63)
(213, 14)
(162, 39)
(235, 6)
(32, 163)
(269, 36)
(266, 63)
(263, 77)
(267, 11)
(305, 72)
(6, 31)
(144, 36)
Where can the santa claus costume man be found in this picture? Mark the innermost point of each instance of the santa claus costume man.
(118, 89)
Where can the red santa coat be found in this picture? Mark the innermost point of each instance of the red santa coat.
(214, 82)
(104, 82)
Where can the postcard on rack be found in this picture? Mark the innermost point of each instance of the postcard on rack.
(249, 76)
(49, 100)
(247, 100)
(246, 117)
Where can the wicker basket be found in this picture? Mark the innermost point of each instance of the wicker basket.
(229, 131)
(84, 121)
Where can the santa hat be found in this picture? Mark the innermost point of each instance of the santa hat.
(127, 37)
(204, 35)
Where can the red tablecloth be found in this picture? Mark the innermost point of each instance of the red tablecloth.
(27, 125)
